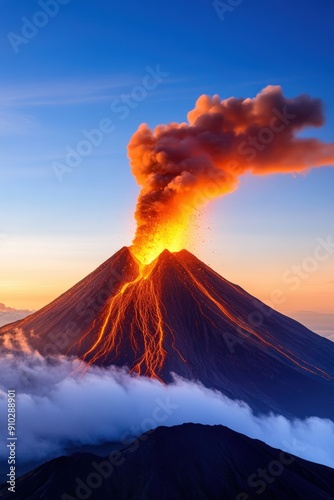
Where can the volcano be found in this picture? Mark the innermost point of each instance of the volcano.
(178, 316)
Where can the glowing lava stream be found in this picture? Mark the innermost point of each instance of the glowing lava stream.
(146, 317)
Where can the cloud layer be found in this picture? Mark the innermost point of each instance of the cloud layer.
(60, 401)
(8, 314)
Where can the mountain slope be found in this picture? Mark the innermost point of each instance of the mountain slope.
(184, 462)
(179, 316)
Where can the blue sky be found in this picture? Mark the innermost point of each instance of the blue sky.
(65, 79)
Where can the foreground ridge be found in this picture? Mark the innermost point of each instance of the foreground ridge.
(188, 461)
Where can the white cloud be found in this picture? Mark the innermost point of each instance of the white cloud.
(59, 404)
(9, 314)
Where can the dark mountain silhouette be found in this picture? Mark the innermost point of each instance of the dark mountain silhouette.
(179, 316)
(185, 462)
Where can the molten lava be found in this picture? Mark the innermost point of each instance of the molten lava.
(138, 300)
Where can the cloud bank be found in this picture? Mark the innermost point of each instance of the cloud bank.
(9, 314)
(59, 404)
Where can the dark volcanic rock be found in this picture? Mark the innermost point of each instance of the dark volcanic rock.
(188, 462)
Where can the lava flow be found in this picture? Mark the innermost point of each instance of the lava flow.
(137, 305)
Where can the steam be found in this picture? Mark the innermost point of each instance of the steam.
(181, 166)
(57, 406)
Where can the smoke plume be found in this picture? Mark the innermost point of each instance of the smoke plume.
(182, 166)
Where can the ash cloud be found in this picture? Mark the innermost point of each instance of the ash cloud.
(63, 402)
(181, 166)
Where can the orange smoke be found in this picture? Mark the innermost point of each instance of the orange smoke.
(181, 166)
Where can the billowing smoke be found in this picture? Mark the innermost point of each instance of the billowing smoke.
(58, 406)
(181, 166)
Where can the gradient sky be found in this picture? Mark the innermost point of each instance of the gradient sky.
(65, 80)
